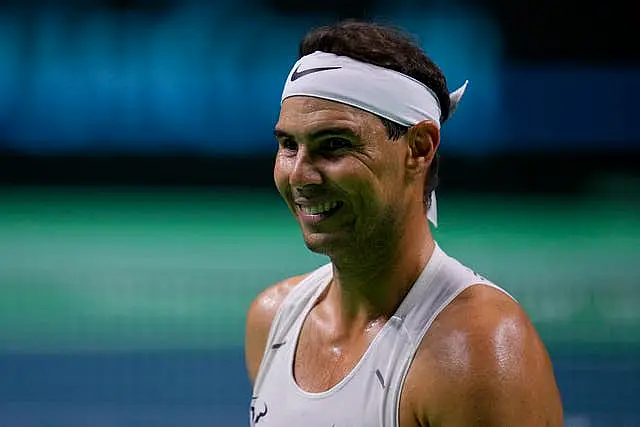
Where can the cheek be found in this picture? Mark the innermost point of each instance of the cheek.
(281, 174)
(392, 172)
(360, 182)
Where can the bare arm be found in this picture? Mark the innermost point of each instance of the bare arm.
(259, 318)
(485, 365)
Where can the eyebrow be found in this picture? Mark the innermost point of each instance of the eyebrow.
(343, 131)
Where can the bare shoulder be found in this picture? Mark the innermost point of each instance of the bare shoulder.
(259, 318)
(483, 363)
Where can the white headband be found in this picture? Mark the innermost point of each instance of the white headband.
(378, 90)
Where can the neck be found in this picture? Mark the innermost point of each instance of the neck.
(368, 289)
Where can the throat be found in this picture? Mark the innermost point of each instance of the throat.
(326, 356)
(370, 291)
(362, 299)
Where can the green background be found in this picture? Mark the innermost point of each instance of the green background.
(125, 269)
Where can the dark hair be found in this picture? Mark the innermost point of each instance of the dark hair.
(387, 47)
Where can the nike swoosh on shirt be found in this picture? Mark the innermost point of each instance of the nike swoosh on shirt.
(278, 345)
(297, 74)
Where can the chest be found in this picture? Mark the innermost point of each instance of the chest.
(321, 364)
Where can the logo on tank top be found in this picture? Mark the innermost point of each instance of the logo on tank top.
(476, 274)
(380, 377)
(278, 345)
(259, 410)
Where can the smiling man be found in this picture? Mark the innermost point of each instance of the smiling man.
(392, 332)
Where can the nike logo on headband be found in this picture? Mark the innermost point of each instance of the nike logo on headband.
(296, 75)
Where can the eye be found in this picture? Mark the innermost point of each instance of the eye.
(288, 144)
(335, 143)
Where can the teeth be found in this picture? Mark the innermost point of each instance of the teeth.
(318, 209)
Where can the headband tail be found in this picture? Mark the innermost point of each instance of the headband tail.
(456, 96)
(432, 212)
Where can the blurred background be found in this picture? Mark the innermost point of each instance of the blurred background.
(138, 217)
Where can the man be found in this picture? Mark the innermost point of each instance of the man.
(392, 332)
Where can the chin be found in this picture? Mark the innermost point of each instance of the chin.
(316, 246)
(329, 245)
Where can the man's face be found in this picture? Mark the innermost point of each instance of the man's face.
(341, 176)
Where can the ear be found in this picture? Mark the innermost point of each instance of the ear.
(423, 140)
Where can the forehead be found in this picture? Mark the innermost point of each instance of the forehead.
(301, 115)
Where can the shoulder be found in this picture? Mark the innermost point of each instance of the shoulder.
(483, 363)
(259, 318)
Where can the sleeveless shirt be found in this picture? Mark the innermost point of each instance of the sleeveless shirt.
(369, 395)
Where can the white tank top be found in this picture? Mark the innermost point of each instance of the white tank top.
(369, 395)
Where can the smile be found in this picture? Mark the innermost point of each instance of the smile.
(320, 208)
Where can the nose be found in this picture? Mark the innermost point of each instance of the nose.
(304, 170)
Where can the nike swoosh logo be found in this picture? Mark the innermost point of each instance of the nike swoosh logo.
(278, 345)
(297, 74)
(380, 377)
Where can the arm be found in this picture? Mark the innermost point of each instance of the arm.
(486, 366)
(259, 318)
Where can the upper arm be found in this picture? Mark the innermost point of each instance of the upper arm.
(258, 323)
(487, 367)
